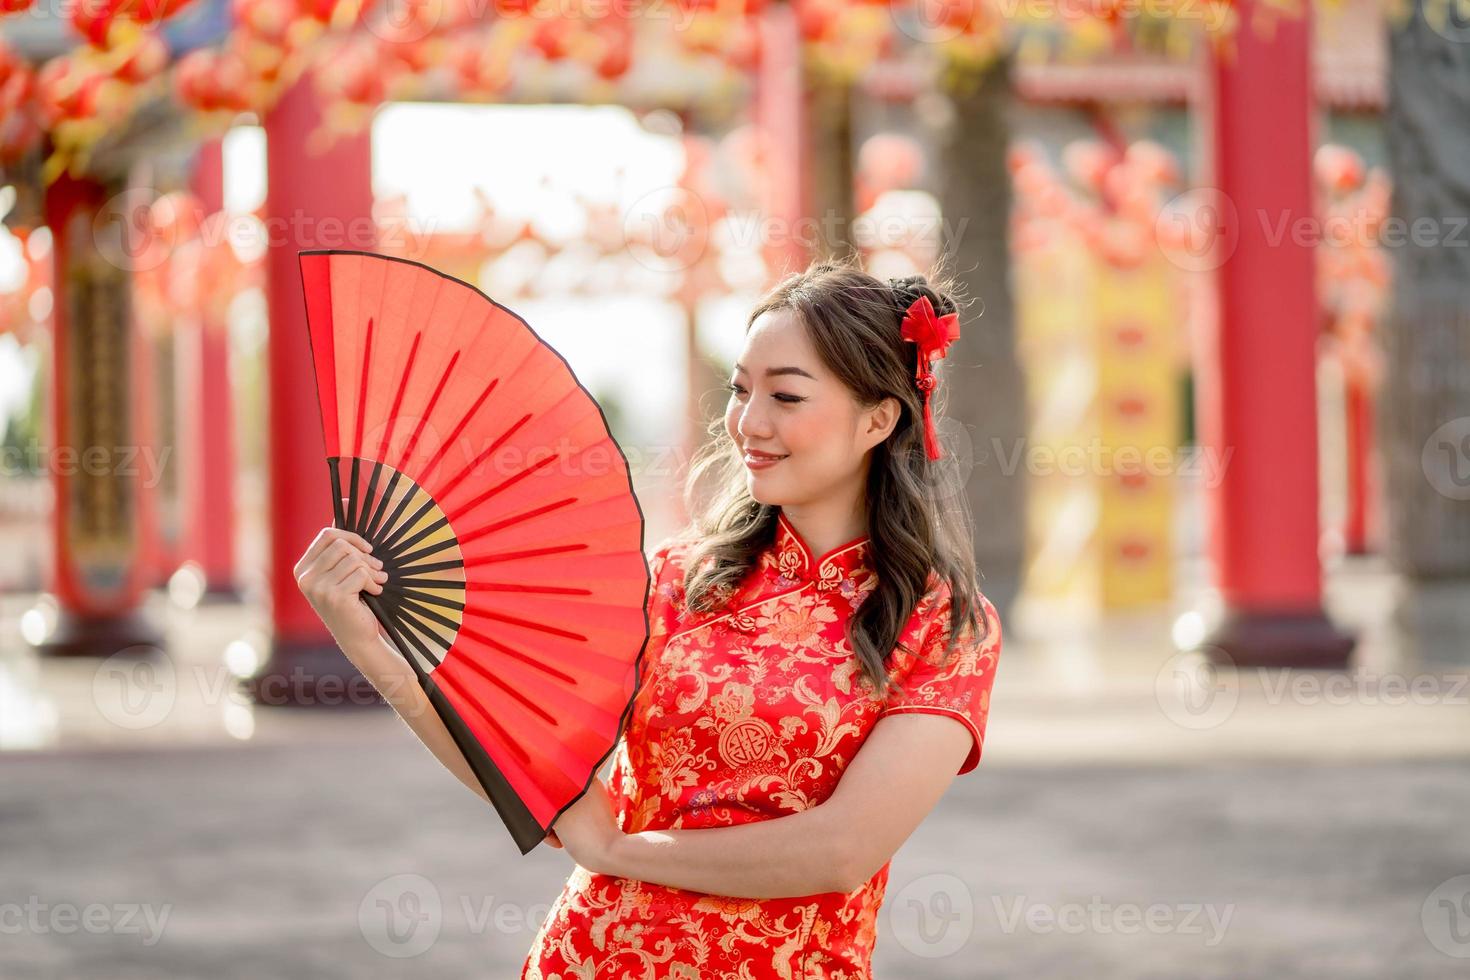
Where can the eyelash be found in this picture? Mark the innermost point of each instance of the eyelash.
(779, 396)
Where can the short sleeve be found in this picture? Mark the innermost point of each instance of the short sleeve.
(955, 685)
(666, 589)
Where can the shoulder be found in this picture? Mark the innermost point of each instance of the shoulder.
(936, 613)
(668, 557)
(666, 566)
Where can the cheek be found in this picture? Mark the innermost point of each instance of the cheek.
(732, 419)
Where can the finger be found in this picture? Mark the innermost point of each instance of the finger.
(553, 840)
(324, 541)
(360, 579)
(330, 566)
(361, 572)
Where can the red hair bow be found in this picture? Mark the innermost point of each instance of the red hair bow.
(933, 334)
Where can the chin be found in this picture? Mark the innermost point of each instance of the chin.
(763, 493)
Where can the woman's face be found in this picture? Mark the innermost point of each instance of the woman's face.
(785, 403)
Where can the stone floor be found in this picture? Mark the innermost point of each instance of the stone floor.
(1136, 815)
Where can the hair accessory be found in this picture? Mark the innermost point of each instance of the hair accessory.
(933, 334)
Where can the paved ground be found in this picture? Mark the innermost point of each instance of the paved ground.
(1134, 817)
(271, 861)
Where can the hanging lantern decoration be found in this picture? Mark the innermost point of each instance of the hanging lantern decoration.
(350, 82)
(108, 23)
(481, 60)
(211, 82)
(20, 129)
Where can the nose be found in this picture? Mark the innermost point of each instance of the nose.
(753, 424)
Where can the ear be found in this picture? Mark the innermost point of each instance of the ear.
(879, 421)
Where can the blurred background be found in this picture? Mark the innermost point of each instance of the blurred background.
(1210, 409)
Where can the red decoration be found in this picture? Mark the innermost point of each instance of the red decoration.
(933, 334)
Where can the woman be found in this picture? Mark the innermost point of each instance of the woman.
(818, 669)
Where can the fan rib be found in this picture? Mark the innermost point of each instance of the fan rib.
(368, 495)
(438, 566)
(362, 389)
(352, 497)
(372, 527)
(413, 440)
(480, 669)
(392, 544)
(425, 552)
(392, 521)
(480, 532)
(430, 583)
(446, 487)
(517, 621)
(412, 604)
(503, 485)
(432, 599)
(521, 655)
(516, 587)
(413, 352)
(559, 549)
(407, 628)
(434, 461)
(445, 680)
(420, 534)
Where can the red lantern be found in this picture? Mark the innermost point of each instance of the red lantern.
(212, 81)
(264, 20)
(94, 19)
(66, 89)
(146, 60)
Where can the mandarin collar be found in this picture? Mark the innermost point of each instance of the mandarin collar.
(791, 558)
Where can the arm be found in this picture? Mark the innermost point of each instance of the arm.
(385, 668)
(899, 774)
(336, 568)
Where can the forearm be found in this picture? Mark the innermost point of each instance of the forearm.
(396, 682)
(784, 857)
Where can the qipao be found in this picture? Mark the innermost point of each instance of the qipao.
(749, 713)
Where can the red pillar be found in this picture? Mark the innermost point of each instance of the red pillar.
(206, 420)
(781, 117)
(314, 199)
(100, 458)
(1258, 383)
(1361, 488)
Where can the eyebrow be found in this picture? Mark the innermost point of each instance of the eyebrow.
(776, 371)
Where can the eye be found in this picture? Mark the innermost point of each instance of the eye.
(780, 396)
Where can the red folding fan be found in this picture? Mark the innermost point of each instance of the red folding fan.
(464, 448)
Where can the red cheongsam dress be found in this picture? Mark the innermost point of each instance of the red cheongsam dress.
(750, 713)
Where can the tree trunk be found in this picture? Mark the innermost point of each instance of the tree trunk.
(984, 388)
(1425, 402)
(832, 176)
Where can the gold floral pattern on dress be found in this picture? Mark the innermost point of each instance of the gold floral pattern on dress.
(743, 714)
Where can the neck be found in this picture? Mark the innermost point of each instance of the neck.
(825, 526)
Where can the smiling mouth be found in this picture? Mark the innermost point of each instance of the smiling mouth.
(756, 457)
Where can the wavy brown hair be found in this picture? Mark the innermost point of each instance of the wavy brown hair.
(918, 522)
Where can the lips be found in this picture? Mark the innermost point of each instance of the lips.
(760, 457)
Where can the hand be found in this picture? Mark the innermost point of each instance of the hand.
(337, 566)
(589, 828)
